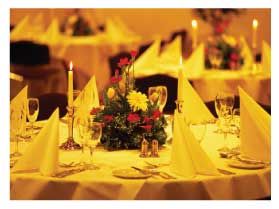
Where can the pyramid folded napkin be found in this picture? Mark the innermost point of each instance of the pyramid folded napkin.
(42, 154)
(255, 136)
(187, 157)
(266, 57)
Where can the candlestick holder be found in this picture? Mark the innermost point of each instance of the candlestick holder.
(70, 144)
(179, 105)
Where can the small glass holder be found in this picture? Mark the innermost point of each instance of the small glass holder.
(179, 105)
(154, 148)
(144, 148)
(70, 144)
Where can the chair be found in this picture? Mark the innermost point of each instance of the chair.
(49, 102)
(211, 106)
(41, 72)
(29, 53)
(171, 83)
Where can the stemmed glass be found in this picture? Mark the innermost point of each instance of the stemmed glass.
(17, 127)
(199, 131)
(84, 130)
(93, 140)
(224, 103)
(32, 112)
(158, 95)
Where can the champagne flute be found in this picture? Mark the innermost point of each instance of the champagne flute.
(158, 95)
(83, 128)
(32, 112)
(93, 140)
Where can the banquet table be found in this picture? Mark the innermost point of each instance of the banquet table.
(209, 83)
(101, 184)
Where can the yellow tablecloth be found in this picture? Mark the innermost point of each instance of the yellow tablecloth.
(101, 184)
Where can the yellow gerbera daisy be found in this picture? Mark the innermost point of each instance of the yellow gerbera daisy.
(137, 101)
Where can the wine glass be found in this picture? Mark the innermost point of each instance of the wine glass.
(158, 95)
(32, 112)
(224, 103)
(17, 127)
(83, 129)
(93, 140)
(199, 131)
(236, 121)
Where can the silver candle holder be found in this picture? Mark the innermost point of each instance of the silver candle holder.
(70, 144)
(179, 105)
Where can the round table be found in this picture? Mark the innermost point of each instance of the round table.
(101, 184)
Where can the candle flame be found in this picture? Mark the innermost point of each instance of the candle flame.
(71, 66)
(194, 23)
(180, 60)
(255, 23)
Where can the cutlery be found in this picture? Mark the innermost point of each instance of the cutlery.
(69, 172)
(225, 172)
(155, 172)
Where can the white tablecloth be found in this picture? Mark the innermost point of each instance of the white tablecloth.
(101, 184)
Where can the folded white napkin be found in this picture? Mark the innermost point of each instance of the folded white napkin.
(194, 109)
(255, 129)
(18, 108)
(52, 34)
(145, 65)
(42, 154)
(114, 31)
(187, 157)
(195, 64)
(20, 29)
(172, 53)
(247, 55)
(88, 98)
(266, 57)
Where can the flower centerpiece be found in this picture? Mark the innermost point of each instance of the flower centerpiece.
(222, 51)
(128, 116)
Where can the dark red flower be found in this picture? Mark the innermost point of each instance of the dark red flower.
(234, 56)
(134, 53)
(108, 118)
(147, 119)
(95, 110)
(133, 118)
(147, 128)
(123, 61)
(115, 79)
(156, 114)
(220, 27)
(233, 64)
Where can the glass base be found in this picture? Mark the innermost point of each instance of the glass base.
(69, 145)
(15, 154)
(91, 167)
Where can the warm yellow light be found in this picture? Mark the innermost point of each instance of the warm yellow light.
(194, 24)
(255, 23)
(180, 60)
(71, 66)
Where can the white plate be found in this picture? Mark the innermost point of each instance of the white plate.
(130, 173)
(243, 165)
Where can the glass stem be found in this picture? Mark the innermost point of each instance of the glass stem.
(17, 142)
(225, 139)
(91, 155)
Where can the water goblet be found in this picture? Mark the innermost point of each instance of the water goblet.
(93, 140)
(158, 95)
(32, 112)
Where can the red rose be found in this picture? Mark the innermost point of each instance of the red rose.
(234, 56)
(133, 118)
(123, 62)
(134, 53)
(220, 27)
(156, 114)
(108, 118)
(147, 128)
(115, 79)
(95, 110)
(147, 119)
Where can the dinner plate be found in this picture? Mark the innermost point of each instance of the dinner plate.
(242, 165)
(130, 173)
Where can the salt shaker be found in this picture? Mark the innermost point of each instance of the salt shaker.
(144, 148)
(154, 148)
